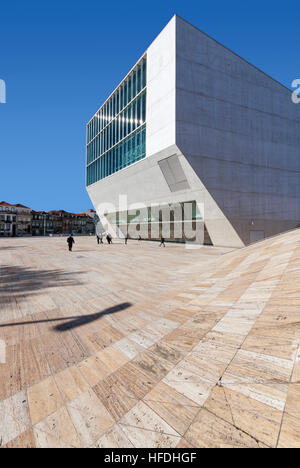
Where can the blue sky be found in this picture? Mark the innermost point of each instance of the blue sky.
(61, 59)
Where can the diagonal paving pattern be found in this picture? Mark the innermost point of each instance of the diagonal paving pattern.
(137, 346)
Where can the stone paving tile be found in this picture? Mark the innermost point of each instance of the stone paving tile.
(17, 333)
(179, 315)
(144, 338)
(93, 370)
(23, 441)
(62, 350)
(43, 399)
(71, 383)
(128, 347)
(90, 417)
(270, 343)
(144, 438)
(290, 432)
(166, 352)
(189, 384)
(292, 402)
(206, 355)
(197, 364)
(180, 340)
(209, 431)
(261, 377)
(25, 365)
(178, 416)
(116, 398)
(142, 416)
(152, 365)
(56, 431)
(135, 379)
(112, 358)
(14, 417)
(252, 417)
(163, 393)
(115, 438)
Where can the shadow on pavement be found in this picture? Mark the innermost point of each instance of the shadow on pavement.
(74, 322)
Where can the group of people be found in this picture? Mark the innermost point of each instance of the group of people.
(109, 239)
(126, 238)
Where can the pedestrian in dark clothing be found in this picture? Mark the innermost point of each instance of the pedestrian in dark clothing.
(140, 238)
(70, 241)
(109, 238)
(126, 239)
(162, 242)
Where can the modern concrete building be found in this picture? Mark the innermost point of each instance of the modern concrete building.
(193, 124)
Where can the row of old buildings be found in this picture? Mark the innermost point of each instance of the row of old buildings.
(19, 220)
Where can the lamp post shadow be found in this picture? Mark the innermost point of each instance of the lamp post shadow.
(74, 322)
(85, 319)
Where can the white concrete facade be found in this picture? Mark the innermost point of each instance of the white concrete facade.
(234, 130)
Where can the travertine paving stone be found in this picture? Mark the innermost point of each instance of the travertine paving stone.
(115, 438)
(117, 398)
(71, 383)
(143, 417)
(90, 417)
(56, 431)
(209, 431)
(135, 346)
(43, 399)
(25, 440)
(256, 419)
(14, 417)
(290, 432)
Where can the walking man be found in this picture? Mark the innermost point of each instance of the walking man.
(162, 242)
(70, 242)
(126, 239)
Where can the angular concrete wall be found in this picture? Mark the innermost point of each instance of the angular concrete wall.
(239, 131)
(161, 90)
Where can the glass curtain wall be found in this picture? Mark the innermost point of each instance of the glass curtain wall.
(116, 135)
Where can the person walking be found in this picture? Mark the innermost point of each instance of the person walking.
(139, 238)
(162, 242)
(126, 239)
(70, 242)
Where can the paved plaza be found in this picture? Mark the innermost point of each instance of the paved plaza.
(141, 346)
